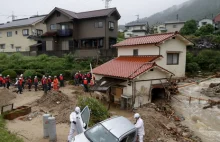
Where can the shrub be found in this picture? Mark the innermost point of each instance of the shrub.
(28, 73)
(10, 72)
(192, 67)
(98, 110)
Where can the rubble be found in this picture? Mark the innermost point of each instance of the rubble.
(57, 104)
(212, 91)
(6, 96)
(162, 124)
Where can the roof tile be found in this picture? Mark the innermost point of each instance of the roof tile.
(126, 66)
(150, 39)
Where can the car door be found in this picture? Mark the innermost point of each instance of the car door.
(85, 114)
(130, 137)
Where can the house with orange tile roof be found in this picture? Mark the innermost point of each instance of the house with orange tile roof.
(143, 68)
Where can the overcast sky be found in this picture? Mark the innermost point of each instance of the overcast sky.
(127, 8)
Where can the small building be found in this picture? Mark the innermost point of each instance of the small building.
(160, 29)
(174, 26)
(20, 34)
(204, 22)
(135, 29)
(216, 21)
(87, 33)
(143, 68)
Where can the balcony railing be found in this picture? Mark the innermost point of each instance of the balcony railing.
(66, 32)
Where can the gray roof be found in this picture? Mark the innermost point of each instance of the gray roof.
(22, 22)
(84, 15)
(175, 22)
(118, 126)
(135, 24)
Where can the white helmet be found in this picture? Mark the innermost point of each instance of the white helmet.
(35, 76)
(77, 109)
(49, 76)
(136, 115)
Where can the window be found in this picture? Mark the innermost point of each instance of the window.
(53, 27)
(204, 23)
(0, 34)
(25, 32)
(9, 34)
(18, 49)
(135, 52)
(58, 14)
(174, 26)
(98, 24)
(2, 46)
(39, 32)
(101, 43)
(129, 138)
(16, 32)
(12, 46)
(111, 25)
(172, 58)
(99, 133)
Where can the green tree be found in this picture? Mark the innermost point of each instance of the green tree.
(205, 30)
(192, 67)
(189, 28)
(121, 36)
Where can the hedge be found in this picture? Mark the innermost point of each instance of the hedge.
(9, 72)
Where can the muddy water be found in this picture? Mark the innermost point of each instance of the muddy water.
(205, 123)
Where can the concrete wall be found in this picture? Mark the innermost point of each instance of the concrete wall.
(171, 28)
(172, 45)
(18, 40)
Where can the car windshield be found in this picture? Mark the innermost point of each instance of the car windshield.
(100, 134)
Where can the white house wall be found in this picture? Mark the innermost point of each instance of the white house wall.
(142, 50)
(171, 28)
(207, 21)
(172, 45)
(155, 74)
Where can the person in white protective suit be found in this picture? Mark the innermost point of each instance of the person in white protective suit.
(140, 127)
(73, 120)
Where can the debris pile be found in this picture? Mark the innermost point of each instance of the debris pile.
(212, 91)
(173, 88)
(57, 104)
(162, 124)
(5, 96)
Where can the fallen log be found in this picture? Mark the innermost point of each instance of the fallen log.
(212, 103)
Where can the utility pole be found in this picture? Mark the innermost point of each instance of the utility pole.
(107, 3)
(177, 17)
(12, 16)
(137, 17)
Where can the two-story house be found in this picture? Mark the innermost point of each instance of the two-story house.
(158, 29)
(135, 29)
(88, 31)
(174, 26)
(143, 67)
(20, 34)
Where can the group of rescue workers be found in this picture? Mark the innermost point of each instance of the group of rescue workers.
(46, 82)
(84, 79)
(5, 81)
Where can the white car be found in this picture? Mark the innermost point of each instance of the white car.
(116, 129)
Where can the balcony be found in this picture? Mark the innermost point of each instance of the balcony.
(65, 32)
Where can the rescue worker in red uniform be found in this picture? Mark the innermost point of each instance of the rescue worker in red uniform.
(3, 82)
(49, 83)
(45, 85)
(29, 82)
(1, 79)
(85, 83)
(20, 85)
(61, 80)
(7, 81)
(35, 83)
(42, 82)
